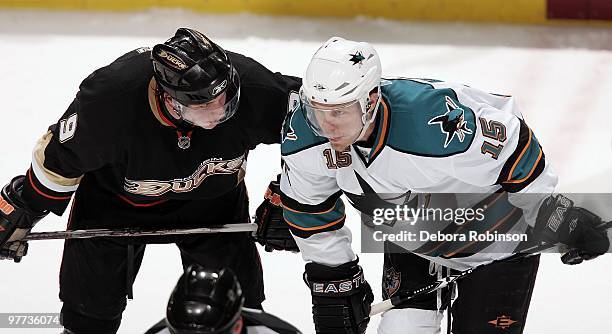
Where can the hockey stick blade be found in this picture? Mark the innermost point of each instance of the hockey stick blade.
(127, 232)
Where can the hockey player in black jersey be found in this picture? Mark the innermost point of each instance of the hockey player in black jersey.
(157, 139)
(210, 302)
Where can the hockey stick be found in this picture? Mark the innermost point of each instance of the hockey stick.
(394, 301)
(133, 232)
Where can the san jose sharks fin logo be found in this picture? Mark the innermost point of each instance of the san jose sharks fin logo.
(294, 104)
(357, 58)
(452, 123)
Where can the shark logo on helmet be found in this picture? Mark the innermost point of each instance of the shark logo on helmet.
(357, 58)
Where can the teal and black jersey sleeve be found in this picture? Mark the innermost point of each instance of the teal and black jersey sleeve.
(311, 197)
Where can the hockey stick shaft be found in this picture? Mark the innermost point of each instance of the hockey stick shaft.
(394, 301)
(132, 232)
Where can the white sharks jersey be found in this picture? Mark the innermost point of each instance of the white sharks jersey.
(430, 137)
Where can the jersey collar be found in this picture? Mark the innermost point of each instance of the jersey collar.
(159, 109)
(377, 139)
(156, 104)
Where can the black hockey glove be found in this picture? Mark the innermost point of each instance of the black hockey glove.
(341, 298)
(16, 221)
(578, 228)
(272, 230)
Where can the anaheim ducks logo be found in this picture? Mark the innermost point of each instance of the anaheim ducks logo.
(172, 60)
(207, 168)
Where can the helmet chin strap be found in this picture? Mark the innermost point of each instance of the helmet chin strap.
(367, 123)
(180, 122)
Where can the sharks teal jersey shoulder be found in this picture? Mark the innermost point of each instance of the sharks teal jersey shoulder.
(297, 135)
(427, 121)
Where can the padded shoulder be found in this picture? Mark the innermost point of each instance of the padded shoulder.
(297, 135)
(427, 120)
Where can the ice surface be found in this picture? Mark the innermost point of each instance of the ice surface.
(561, 75)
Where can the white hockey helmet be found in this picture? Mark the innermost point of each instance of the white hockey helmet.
(342, 73)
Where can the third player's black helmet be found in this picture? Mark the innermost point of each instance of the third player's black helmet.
(193, 69)
(205, 302)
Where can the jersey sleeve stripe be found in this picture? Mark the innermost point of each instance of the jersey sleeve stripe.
(41, 193)
(314, 228)
(312, 213)
(47, 178)
(520, 156)
(310, 221)
(305, 233)
(324, 207)
(527, 161)
(533, 168)
(525, 164)
(304, 225)
(40, 198)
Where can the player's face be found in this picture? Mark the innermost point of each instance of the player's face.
(206, 115)
(340, 123)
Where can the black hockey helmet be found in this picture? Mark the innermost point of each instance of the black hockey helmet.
(192, 69)
(205, 302)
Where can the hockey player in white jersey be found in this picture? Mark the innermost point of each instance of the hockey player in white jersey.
(208, 301)
(356, 134)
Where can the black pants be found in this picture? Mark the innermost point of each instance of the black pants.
(93, 275)
(491, 300)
